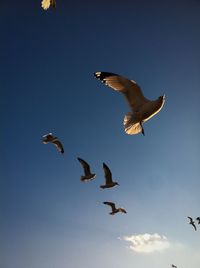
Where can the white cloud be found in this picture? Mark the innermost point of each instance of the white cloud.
(147, 243)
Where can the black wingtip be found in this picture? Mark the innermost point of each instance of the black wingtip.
(105, 166)
(102, 75)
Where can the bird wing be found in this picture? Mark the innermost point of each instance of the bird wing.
(53, 3)
(193, 224)
(108, 174)
(129, 88)
(111, 204)
(46, 4)
(85, 165)
(58, 145)
(191, 220)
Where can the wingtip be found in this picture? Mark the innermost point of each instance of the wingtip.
(97, 74)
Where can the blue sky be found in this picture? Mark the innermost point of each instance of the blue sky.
(48, 218)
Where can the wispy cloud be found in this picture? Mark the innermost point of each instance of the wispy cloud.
(147, 243)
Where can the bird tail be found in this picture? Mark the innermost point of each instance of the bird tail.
(131, 125)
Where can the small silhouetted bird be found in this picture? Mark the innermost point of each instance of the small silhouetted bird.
(198, 219)
(50, 138)
(174, 266)
(192, 223)
(87, 173)
(108, 178)
(48, 3)
(114, 209)
(142, 109)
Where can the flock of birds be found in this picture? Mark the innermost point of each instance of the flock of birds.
(88, 176)
(142, 110)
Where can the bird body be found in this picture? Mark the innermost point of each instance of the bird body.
(87, 173)
(50, 138)
(192, 223)
(142, 109)
(174, 266)
(48, 3)
(114, 209)
(198, 219)
(108, 177)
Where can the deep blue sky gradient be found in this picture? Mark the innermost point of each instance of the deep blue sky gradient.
(49, 219)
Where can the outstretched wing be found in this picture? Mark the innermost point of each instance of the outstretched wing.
(191, 220)
(193, 224)
(108, 174)
(59, 146)
(111, 204)
(129, 88)
(53, 3)
(85, 166)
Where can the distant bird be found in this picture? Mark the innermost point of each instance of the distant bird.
(114, 209)
(174, 266)
(50, 138)
(108, 177)
(198, 219)
(87, 173)
(48, 3)
(192, 223)
(142, 109)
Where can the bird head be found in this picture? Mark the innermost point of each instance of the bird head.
(122, 210)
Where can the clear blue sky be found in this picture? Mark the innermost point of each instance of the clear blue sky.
(48, 218)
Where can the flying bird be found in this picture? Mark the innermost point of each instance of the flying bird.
(47, 3)
(174, 266)
(108, 178)
(50, 138)
(198, 219)
(114, 209)
(87, 173)
(142, 109)
(192, 223)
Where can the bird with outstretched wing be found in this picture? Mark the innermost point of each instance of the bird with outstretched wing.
(192, 223)
(49, 138)
(142, 109)
(87, 173)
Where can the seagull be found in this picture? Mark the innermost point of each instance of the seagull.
(50, 138)
(108, 176)
(87, 174)
(47, 3)
(114, 209)
(174, 266)
(142, 109)
(192, 223)
(198, 219)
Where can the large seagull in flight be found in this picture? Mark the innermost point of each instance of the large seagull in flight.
(142, 109)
